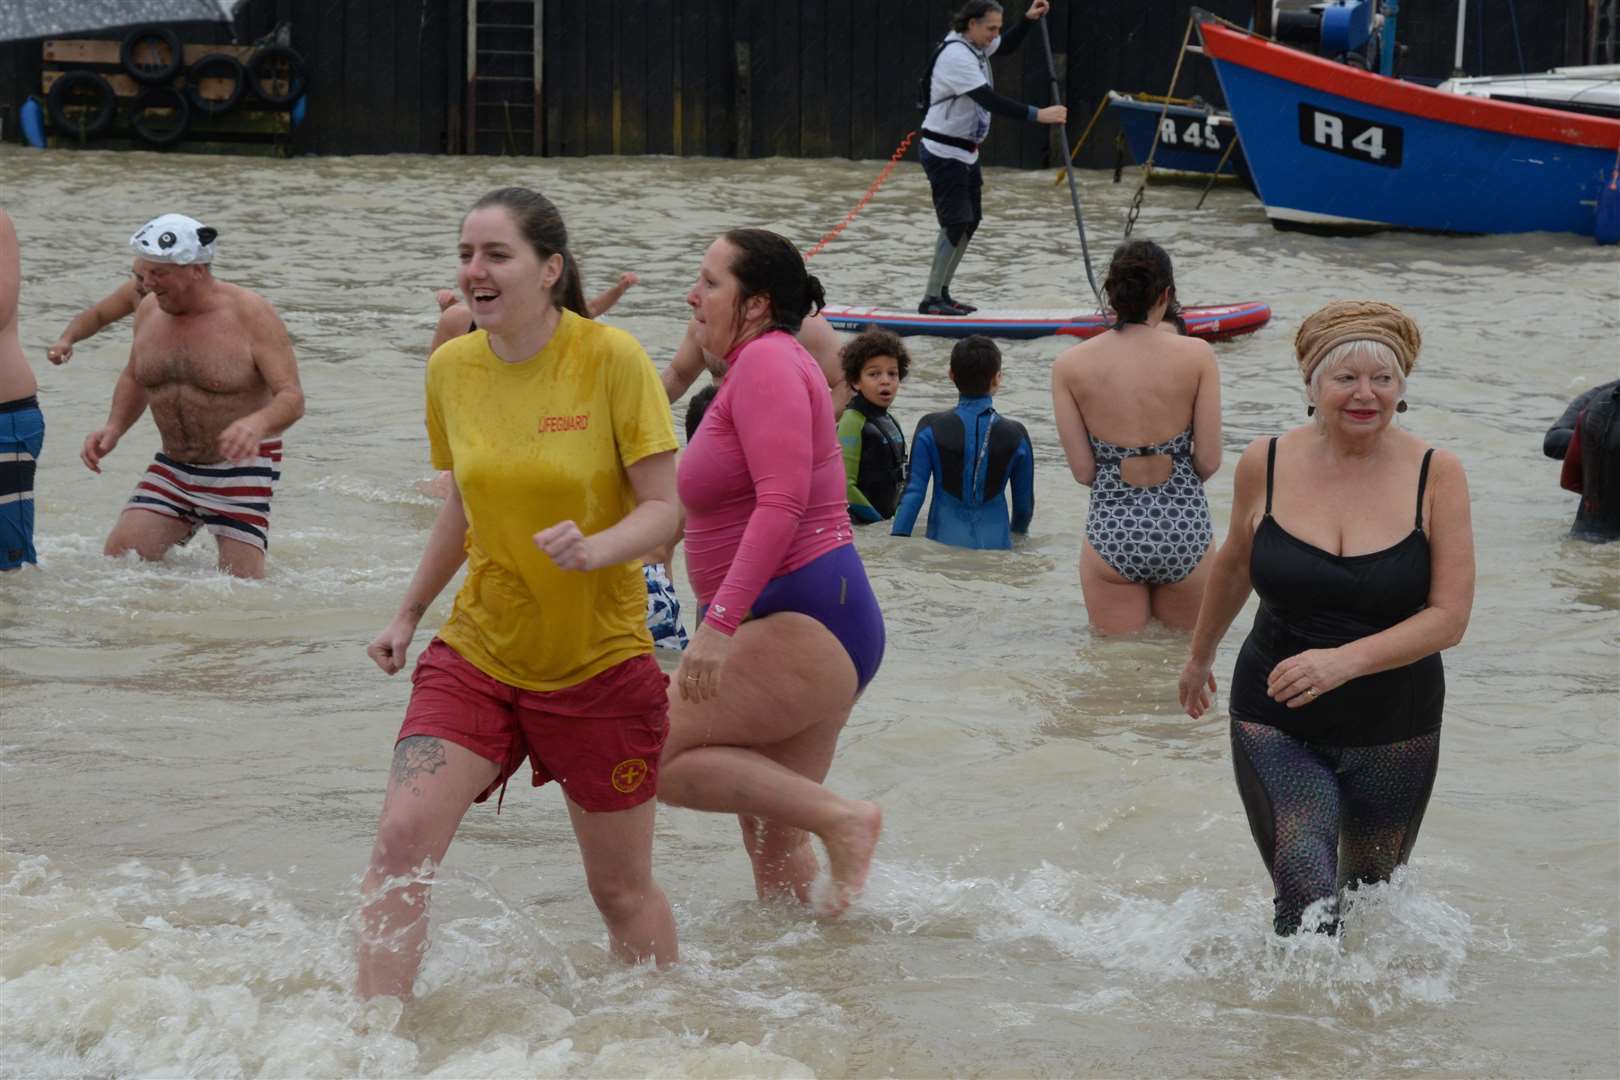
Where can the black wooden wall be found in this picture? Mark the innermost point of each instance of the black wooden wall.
(755, 78)
(386, 76)
(822, 78)
(1550, 33)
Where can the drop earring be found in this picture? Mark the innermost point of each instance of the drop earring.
(1400, 406)
(1310, 410)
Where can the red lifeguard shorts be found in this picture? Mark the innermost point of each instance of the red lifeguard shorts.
(599, 740)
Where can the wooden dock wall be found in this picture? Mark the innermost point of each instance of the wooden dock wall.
(757, 78)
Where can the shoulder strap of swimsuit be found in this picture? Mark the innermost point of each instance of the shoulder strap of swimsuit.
(1271, 466)
(1423, 480)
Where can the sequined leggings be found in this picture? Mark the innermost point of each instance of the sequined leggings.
(1325, 817)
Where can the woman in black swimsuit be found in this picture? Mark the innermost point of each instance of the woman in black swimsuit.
(1357, 537)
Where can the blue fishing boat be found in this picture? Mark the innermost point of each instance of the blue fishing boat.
(1334, 148)
(1192, 138)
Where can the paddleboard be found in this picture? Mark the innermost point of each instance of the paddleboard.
(1216, 322)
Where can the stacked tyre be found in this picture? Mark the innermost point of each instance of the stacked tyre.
(81, 103)
(84, 103)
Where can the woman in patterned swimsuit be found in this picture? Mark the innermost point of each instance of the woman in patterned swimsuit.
(1139, 413)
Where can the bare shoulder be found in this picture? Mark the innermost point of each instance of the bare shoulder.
(1444, 466)
(1249, 478)
(1198, 349)
(825, 346)
(1193, 352)
(454, 320)
(246, 302)
(144, 307)
(1295, 439)
(1071, 361)
(1070, 356)
(1254, 455)
(1446, 500)
(256, 314)
(1414, 446)
(818, 336)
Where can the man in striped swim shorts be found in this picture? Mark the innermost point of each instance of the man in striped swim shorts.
(214, 364)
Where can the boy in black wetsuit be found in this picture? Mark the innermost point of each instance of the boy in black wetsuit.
(875, 364)
(973, 455)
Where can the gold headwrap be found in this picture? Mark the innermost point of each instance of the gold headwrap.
(1357, 320)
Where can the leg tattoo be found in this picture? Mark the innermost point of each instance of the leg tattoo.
(414, 757)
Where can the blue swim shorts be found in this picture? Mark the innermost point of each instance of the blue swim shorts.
(22, 433)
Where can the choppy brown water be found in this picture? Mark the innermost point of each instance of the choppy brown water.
(191, 767)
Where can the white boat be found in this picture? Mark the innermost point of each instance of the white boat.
(1594, 89)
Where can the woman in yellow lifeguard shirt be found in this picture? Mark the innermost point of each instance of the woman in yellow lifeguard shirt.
(558, 433)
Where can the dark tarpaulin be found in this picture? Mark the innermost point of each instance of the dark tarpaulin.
(20, 19)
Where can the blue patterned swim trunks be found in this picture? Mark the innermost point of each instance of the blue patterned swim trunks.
(663, 609)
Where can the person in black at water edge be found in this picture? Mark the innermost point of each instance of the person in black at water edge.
(959, 103)
(1357, 537)
(1587, 437)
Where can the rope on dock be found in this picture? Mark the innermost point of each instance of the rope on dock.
(1164, 110)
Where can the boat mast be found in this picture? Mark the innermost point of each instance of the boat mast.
(1390, 9)
(1462, 12)
(1260, 18)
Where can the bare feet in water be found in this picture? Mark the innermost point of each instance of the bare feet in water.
(849, 857)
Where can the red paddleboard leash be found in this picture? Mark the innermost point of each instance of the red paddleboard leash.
(894, 159)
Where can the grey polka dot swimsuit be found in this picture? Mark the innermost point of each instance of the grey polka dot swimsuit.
(1149, 535)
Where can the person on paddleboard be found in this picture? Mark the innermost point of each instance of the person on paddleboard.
(959, 102)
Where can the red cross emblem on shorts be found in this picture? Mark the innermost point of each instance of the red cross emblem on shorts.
(628, 775)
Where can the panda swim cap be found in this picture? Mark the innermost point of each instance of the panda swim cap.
(176, 239)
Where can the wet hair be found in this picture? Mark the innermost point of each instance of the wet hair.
(766, 264)
(1137, 275)
(697, 407)
(973, 9)
(1173, 316)
(867, 346)
(975, 363)
(542, 227)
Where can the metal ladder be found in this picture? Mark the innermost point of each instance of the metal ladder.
(505, 51)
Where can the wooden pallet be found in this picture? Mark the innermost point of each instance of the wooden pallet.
(252, 128)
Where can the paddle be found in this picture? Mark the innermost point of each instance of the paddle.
(1068, 166)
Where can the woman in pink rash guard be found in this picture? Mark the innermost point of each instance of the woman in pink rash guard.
(790, 633)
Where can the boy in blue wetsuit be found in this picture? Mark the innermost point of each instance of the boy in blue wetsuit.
(972, 453)
(875, 364)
